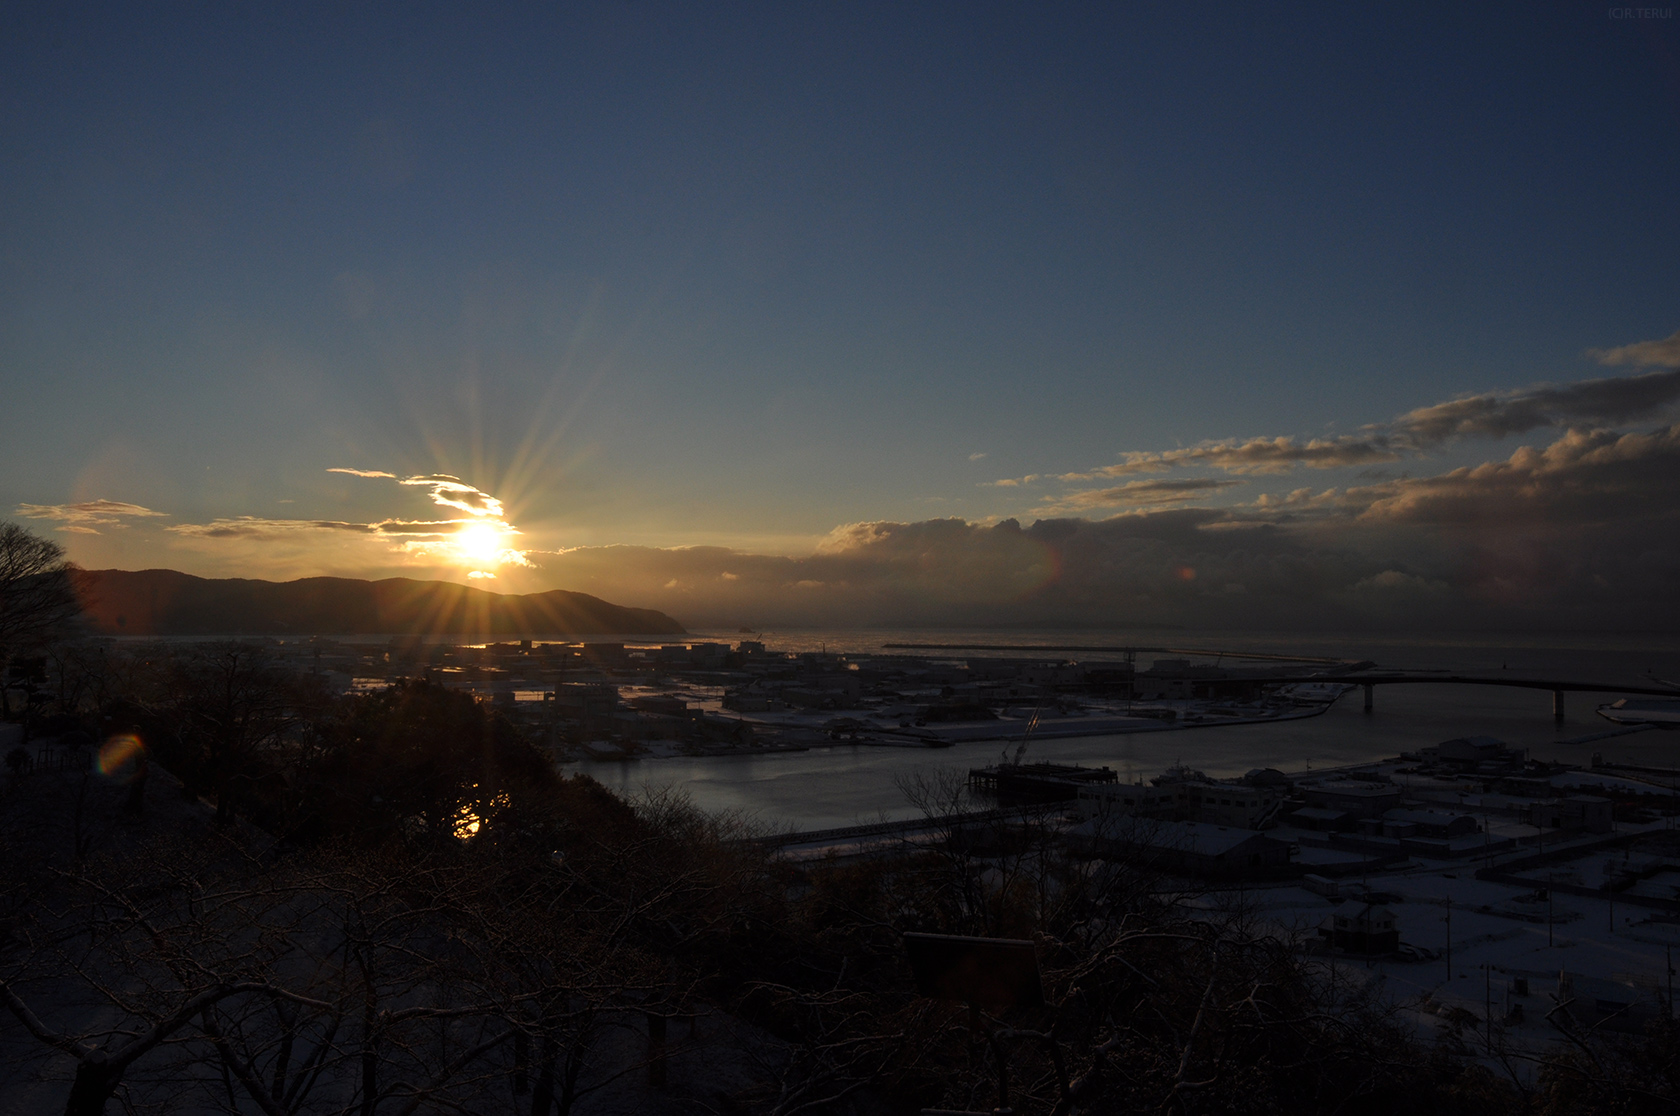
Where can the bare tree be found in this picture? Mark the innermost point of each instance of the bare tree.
(37, 593)
(350, 985)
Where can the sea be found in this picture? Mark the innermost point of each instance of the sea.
(848, 784)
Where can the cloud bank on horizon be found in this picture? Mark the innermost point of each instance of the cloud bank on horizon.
(1582, 531)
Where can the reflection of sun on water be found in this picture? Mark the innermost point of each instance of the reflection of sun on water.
(468, 822)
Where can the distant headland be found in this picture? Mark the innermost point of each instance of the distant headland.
(168, 603)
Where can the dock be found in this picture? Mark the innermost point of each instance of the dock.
(1037, 782)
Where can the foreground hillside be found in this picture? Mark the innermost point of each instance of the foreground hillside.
(167, 603)
(261, 898)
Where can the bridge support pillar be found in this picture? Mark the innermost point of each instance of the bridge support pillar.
(1557, 705)
(1369, 690)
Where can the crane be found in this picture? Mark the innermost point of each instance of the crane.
(1026, 737)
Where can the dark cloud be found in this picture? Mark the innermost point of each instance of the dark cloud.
(1583, 533)
(250, 526)
(1254, 456)
(1145, 493)
(421, 528)
(253, 527)
(1606, 402)
(1160, 568)
(1583, 479)
(1610, 401)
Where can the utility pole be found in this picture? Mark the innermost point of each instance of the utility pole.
(1668, 954)
(1449, 939)
(1548, 910)
(1487, 1001)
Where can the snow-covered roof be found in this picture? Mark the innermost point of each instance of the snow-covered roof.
(1423, 817)
(1360, 909)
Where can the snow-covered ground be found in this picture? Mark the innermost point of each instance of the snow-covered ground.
(1610, 951)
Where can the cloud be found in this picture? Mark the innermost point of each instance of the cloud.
(480, 542)
(1343, 573)
(251, 527)
(1058, 571)
(254, 527)
(1582, 533)
(445, 490)
(1144, 493)
(1397, 581)
(1296, 500)
(1582, 479)
(1610, 401)
(1643, 353)
(976, 456)
(453, 492)
(1252, 456)
(87, 517)
(420, 528)
(1587, 403)
(364, 473)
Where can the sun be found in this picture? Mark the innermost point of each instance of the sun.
(480, 543)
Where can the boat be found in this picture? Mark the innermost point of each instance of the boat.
(1661, 712)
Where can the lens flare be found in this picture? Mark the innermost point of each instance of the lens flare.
(122, 758)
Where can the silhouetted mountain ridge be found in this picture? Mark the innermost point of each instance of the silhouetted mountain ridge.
(169, 603)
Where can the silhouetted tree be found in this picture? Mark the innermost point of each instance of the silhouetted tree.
(225, 706)
(37, 594)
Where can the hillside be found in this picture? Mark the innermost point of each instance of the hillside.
(167, 603)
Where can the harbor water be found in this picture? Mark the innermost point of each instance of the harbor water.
(845, 784)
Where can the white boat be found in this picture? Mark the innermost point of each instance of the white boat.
(1314, 691)
(1663, 712)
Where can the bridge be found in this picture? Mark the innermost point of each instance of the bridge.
(1129, 651)
(1558, 687)
(1345, 671)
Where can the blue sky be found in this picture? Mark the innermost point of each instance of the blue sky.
(672, 275)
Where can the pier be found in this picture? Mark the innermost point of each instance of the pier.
(897, 829)
(1037, 782)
